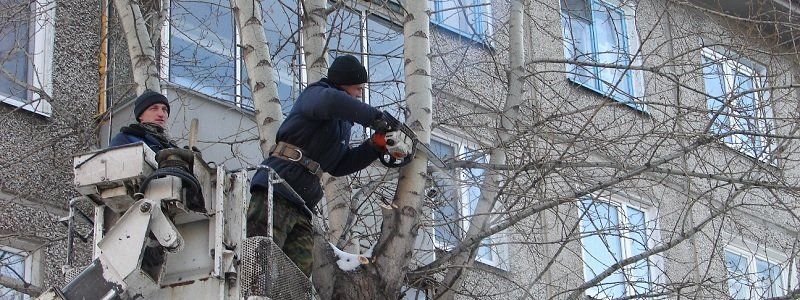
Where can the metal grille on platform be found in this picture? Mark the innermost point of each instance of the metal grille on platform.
(266, 271)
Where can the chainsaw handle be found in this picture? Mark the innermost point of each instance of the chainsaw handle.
(392, 162)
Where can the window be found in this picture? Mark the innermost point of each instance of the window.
(14, 265)
(203, 55)
(738, 111)
(469, 18)
(26, 51)
(613, 231)
(455, 196)
(598, 32)
(755, 274)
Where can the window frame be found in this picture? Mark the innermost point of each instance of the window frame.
(762, 111)
(41, 38)
(633, 98)
(481, 13)
(27, 264)
(743, 247)
(621, 205)
(498, 243)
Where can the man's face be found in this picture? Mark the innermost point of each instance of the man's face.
(156, 114)
(354, 90)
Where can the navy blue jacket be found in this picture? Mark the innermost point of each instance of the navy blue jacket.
(130, 137)
(319, 123)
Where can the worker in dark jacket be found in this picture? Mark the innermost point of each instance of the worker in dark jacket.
(314, 138)
(151, 110)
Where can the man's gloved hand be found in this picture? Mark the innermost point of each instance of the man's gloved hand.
(378, 141)
(382, 123)
(394, 143)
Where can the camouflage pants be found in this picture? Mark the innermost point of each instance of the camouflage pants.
(291, 229)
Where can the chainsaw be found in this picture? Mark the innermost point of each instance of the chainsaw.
(401, 144)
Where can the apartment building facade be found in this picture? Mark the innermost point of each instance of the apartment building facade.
(656, 135)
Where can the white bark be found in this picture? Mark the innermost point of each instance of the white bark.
(401, 224)
(260, 70)
(140, 47)
(338, 195)
(489, 188)
(315, 18)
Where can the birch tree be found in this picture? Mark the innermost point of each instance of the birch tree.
(492, 181)
(255, 52)
(401, 220)
(140, 46)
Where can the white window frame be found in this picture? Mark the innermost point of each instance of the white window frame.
(752, 251)
(41, 34)
(651, 229)
(499, 241)
(28, 264)
(763, 111)
(480, 13)
(632, 44)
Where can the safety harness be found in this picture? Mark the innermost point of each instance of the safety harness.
(293, 153)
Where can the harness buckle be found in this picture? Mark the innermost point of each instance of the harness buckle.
(299, 157)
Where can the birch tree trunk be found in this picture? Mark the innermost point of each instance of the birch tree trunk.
(489, 188)
(315, 16)
(383, 277)
(140, 47)
(401, 223)
(260, 70)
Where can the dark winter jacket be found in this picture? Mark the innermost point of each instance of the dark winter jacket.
(141, 133)
(319, 123)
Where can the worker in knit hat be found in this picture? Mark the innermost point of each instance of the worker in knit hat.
(151, 110)
(314, 138)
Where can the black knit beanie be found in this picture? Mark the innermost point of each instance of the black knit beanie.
(145, 100)
(347, 70)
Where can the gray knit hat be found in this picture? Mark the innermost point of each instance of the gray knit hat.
(146, 99)
(347, 70)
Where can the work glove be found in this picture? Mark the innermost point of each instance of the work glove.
(394, 143)
(378, 141)
(383, 123)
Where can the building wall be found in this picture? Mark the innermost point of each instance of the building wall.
(676, 116)
(36, 182)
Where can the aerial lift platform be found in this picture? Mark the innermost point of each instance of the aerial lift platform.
(169, 226)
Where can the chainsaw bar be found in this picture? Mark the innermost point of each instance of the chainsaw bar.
(432, 157)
